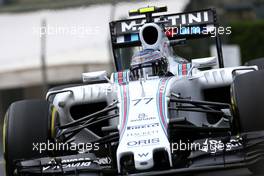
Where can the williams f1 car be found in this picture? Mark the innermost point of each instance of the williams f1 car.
(158, 114)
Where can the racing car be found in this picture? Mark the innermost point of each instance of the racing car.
(158, 114)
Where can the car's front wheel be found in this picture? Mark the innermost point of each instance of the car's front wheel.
(28, 123)
(248, 108)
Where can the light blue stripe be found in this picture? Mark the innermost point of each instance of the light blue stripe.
(163, 104)
(116, 77)
(122, 99)
(157, 102)
(134, 37)
(127, 74)
(124, 77)
(122, 114)
(127, 110)
(188, 67)
(163, 98)
(180, 69)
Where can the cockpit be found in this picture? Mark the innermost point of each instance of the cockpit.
(148, 63)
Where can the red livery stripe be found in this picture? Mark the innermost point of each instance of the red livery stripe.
(120, 77)
(184, 69)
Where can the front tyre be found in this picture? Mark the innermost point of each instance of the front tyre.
(248, 101)
(26, 123)
(248, 107)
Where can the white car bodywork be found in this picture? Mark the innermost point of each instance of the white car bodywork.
(143, 108)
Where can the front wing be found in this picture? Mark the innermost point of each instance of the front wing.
(245, 151)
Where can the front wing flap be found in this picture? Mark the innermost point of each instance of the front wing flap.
(65, 165)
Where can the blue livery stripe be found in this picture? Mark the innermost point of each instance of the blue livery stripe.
(134, 37)
(127, 37)
(180, 69)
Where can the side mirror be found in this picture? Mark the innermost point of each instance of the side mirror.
(94, 76)
(204, 62)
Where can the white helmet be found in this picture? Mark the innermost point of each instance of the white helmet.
(148, 63)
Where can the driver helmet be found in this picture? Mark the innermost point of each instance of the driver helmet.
(148, 63)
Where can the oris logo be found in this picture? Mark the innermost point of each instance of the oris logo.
(143, 142)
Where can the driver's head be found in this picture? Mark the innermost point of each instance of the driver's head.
(148, 63)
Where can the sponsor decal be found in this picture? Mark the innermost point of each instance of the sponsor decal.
(214, 145)
(193, 18)
(103, 161)
(141, 155)
(207, 145)
(77, 162)
(143, 142)
(143, 133)
(151, 125)
(142, 100)
(142, 117)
